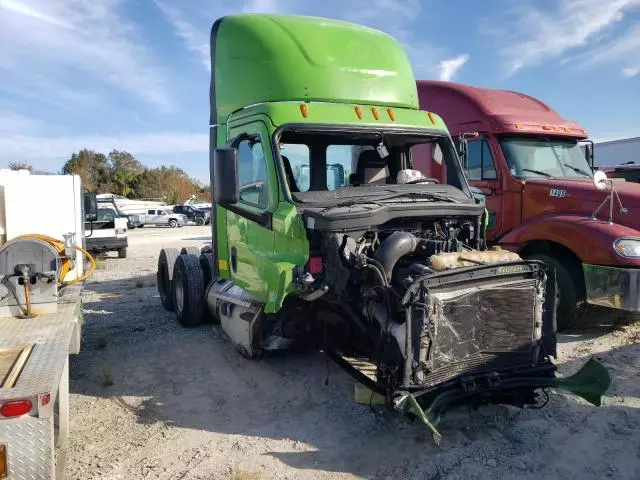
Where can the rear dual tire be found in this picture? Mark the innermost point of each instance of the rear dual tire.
(166, 264)
(188, 290)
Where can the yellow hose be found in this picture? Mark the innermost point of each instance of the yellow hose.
(58, 245)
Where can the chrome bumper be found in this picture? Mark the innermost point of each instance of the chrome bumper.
(613, 287)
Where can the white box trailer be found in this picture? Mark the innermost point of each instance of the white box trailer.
(34, 349)
(617, 152)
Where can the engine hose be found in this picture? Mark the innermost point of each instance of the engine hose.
(59, 247)
(376, 265)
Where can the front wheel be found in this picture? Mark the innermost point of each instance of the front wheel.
(173, 223)
(570, 290)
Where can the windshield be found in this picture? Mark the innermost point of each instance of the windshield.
(364, 164)
(542, 157)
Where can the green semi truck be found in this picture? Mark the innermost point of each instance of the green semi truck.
(324, 236)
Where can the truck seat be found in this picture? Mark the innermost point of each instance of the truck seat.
(371, 169)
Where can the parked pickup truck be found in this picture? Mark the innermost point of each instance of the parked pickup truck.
(164, 217)
(108, 233)
(193, 214)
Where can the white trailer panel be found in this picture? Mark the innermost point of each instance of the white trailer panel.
(45, 204)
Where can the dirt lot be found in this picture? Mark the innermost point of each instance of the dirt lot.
(153, 400)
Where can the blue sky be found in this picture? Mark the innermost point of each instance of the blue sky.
(134, 75)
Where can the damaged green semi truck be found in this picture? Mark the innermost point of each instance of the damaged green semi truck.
(323, 236)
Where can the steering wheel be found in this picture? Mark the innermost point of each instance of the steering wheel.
(422, 179)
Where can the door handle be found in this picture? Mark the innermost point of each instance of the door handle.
(234, 259)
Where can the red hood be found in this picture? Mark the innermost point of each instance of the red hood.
(580, 196)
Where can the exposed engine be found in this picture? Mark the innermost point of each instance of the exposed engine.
(420, 291)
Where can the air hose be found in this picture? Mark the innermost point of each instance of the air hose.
(66, 264)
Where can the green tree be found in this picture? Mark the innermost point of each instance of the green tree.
(93, 169)
(20, 166)
(124, 161)
(124, 182)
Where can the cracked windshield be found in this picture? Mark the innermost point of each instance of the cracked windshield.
(544, 158)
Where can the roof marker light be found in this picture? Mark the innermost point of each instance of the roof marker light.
(547, 127)
(358, 112)
(431, 117)
(392, 115)
(376, 115)
(304, 109)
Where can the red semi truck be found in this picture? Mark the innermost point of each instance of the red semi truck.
(540, 193)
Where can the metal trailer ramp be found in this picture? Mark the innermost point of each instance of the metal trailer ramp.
(34, 366)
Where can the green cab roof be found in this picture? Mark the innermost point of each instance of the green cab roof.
(258, 58)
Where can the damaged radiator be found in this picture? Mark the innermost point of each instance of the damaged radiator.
(491, 324)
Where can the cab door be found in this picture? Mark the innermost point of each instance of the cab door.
(482, 173)
(250, 236)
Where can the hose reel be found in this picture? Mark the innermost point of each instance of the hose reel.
(29, 273)
(32, 268)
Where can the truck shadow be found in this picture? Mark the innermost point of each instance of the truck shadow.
(194, 379)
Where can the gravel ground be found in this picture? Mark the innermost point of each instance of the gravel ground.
(153, 400)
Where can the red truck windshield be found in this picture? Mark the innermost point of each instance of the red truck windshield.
(542, 157)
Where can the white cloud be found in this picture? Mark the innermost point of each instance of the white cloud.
(624, 50)
(43, 150)
(263, 6)
(77, 42)
(196, 40)
(532, 36)
(11, 123)
(448, 68)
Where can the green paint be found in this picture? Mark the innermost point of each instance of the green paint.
(265, 67)
(267, 58)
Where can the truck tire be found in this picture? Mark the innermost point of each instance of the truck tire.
(166, 262)
(188, 291)
(173, 223)
(200, 221)
(140, 226)
(570, 291)
(122, 252)
(192, 250)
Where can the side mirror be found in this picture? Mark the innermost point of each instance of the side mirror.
(588, 151)
(600, 180)
(462, 151)
(90, 207)
(338, 175)
(225, 172)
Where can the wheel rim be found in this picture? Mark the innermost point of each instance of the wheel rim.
(179, 292)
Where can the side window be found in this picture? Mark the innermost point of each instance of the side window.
(151, 212)
(479, 161)
(252, 174)
(295, 157)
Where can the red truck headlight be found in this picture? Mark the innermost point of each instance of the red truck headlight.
(627, 247)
